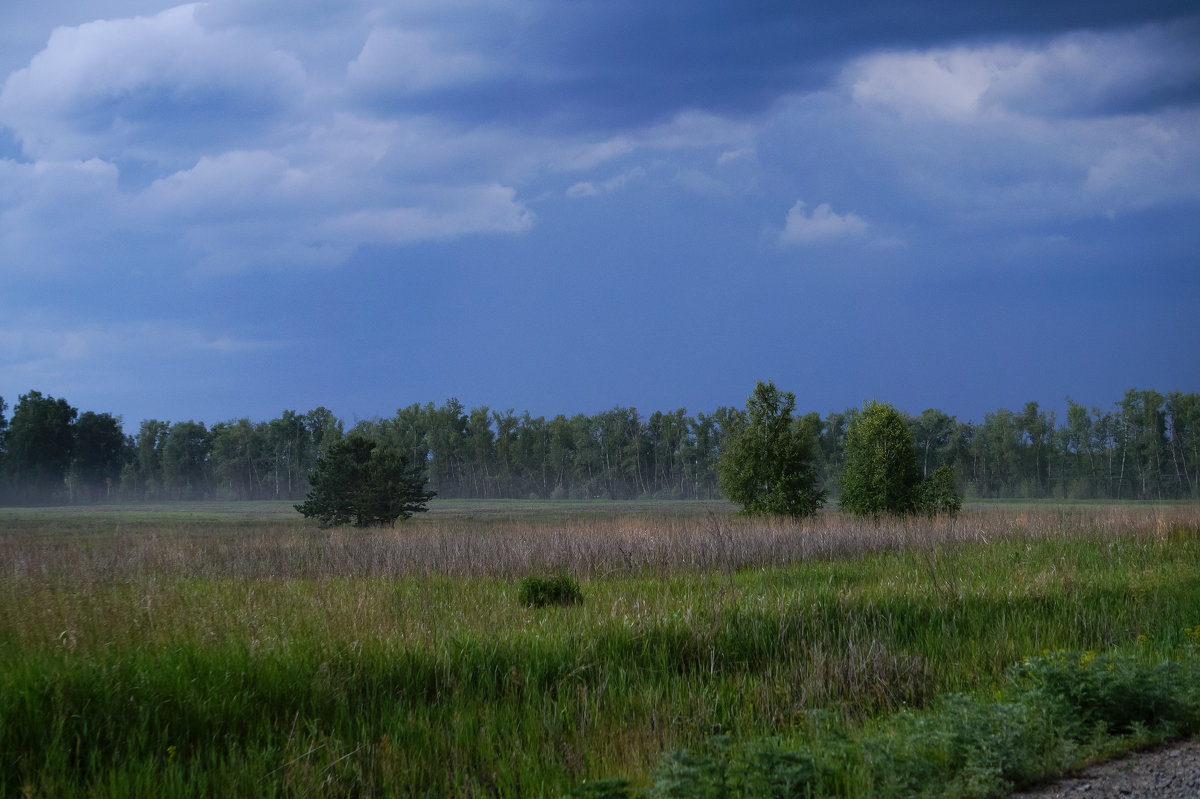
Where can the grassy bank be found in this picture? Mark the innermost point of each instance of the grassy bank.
(262, 657)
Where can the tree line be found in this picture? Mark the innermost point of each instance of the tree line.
(1144, 446)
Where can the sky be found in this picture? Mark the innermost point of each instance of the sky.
(227, 209)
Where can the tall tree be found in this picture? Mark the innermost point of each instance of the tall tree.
(40, 443)
(480, 449)
(289, 440)
(698, 456)
(996, 454)
(323, 429)
(147, 477)
(933, 431)
(561, 456)
(185, 460)
(767, 466)
(101, 450)
(3, 428)
(1038, 430)
(1183, 415)
(241, 458)
(882, 473)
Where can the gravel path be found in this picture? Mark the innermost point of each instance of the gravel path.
(1171, 772)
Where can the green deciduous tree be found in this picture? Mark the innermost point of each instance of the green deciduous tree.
(766, 463)
(40, 443)
(1183, 413)
(101, 450)
(359, 482)
(882, 472)
(185, 460)
(938, 493)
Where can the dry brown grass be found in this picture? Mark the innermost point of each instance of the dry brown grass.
(510, 547)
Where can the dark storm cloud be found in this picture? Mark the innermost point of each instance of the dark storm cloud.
(627, 63)
(569, 204)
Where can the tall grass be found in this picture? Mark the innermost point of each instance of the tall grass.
(272, 659)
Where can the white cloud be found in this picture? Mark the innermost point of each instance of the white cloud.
(149, 87)
(54, 215)
(947, 83)
(822, 224)
(583, 189)
(232, 183)
(1089, 73)
(457, 212)
(1082, 73)
(397, 60)
(735, 156)
(589, 188)
(1023, 133)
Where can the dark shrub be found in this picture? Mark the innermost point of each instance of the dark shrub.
(541, 591)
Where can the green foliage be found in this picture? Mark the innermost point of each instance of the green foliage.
(1059, 706)
(882, 474)
(101, 449)
(358, 481)
(1117, 694)
(938, 494)
(39, 445)
(541, 591)
(723, 769)
(766, 465)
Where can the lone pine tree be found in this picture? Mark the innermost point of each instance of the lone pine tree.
(358, 481)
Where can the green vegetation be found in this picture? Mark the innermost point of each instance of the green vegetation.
(1049, 712)
(766, 465)
(882, 473)
(207, 656)
(937, 493)
(538, 592)
(360, 482)
(1145, 446)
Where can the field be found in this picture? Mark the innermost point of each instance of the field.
(209, 649)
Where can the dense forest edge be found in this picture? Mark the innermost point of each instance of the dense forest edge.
(1145, 446)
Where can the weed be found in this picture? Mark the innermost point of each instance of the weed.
(539, 592)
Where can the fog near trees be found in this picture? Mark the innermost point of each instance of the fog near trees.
(1144, 446)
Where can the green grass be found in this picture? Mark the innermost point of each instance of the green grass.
(235, 656)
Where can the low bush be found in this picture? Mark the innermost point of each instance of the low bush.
(1056, 709)
(541, 591)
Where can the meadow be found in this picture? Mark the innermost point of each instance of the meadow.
(234, 649)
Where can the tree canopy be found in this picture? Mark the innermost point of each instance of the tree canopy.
(1145, 446)
(359, 482)
(883, 472)
(767, 463)
(39, 444)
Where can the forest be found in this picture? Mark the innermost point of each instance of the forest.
(1145, 446)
